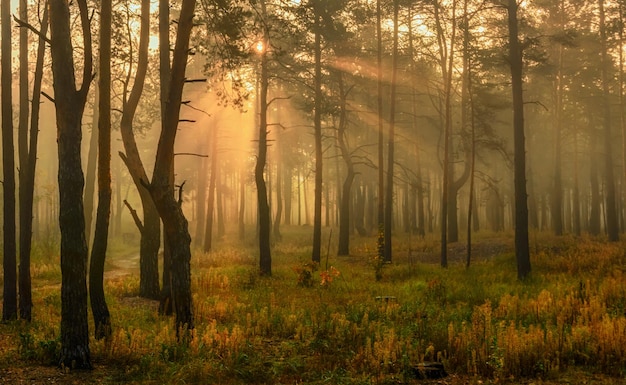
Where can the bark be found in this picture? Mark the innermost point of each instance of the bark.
(557, 193)
(317, 121)
(174, 222)
(612, 227)
(92, 160)
(468, 114)
(446, 58)
(594, 211)
(151, 233)
(242, 205)
(201, 204)
(359, 211)
(165, 301)
(287, 191)
(391, 139)
(381, 152)
(99, 308)
(208, 228)
(279, 190)
(220, 205)
(522, 252)
(70, 104)
(343, 247)
(9, 308)
(28, 158)
(576, 193)
(264, 219)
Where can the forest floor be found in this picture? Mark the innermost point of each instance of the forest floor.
(25, 361)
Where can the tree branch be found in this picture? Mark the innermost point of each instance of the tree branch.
(50, 98)
(133, 212)
(24, 24)
(180, 193)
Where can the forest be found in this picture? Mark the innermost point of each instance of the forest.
(313, 191)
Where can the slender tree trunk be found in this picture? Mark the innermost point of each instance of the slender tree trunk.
(28, 161)
(242, 204)
(174, 222)
(265, 256)
(446, 61)
(279, 189)
(391, 139)
(220, 204)
(622, 115)
(576, 197)
(208, 228)
(287, 191)
(557, 193)
(612, 227)
(92, 160)
(166, 299)
(99, 308)
(522, 252)
(151, 232)
(317, 121)
(381, 138)
(201, 204)
(9, 309)
(346, 195)
(468, 114)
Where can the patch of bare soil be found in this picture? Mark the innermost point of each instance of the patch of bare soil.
(54, 375)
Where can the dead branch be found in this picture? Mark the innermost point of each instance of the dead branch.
(133, 213)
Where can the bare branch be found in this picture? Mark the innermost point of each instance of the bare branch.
(24, 24)
(191, 154)
(50, 98)
(133, 213)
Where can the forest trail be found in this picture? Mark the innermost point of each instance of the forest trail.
(122, 265)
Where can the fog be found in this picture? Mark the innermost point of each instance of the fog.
(219, 124)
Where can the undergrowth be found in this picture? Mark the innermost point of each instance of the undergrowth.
(348, 322)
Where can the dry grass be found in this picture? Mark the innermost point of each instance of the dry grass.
(566, 323)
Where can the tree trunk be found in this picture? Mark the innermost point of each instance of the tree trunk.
(557, 193)
(208, 228)
(165, 300)
(279, 190)
(612, 227)
(343, 247)
(9, 308)
(317, 121)
(391, 139)
(70, 104)
(219, 204)
(446, 59)
(200, 204)
(522, 252)
(174, 222)
(576, 198)
(264, 219)
(28, 161)
(151, 233)
(468, 114)
(381, 152)
(92, 160)
(242, 204)
(99, 308)
(287, 191)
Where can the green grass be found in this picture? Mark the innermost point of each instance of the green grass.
(481, 322)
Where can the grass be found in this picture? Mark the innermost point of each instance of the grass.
(568, 320)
